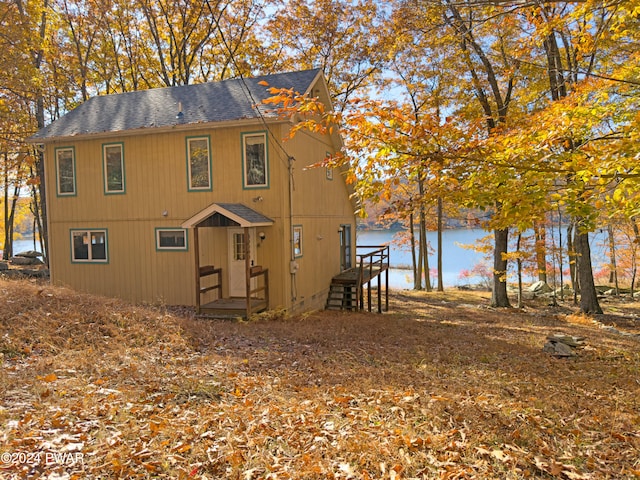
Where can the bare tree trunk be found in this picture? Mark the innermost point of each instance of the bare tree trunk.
(541, 250)
(555, 254)
(613, 275)
(588, 295)
(578, 260)
(37, 54)
(573, 260)
(440, 279)
(499, 297)
(42, 190)
(7, 244)
(519, 270)
(424, 247)
(9, 222)
(416, 276)
(494, 102)
(423, 238)
(10, 205)
(558, 78)
(634, 272)
(560, 255)
(634, 257)
(554, 68)
(37, 220)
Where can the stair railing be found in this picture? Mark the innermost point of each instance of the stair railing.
(376, 259)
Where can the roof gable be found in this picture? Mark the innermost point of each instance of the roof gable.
(224, 101)
(237, 213)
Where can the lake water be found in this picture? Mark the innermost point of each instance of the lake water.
(23, 245)
(455, 258)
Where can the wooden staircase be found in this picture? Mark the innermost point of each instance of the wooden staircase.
(346, 288)
(342, 296)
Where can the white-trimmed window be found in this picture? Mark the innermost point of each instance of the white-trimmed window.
(198, 163)
(89, 246)
(171, 239)
(255, 164)
(65, 171)
(113, 167)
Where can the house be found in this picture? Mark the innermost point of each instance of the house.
(189, 195)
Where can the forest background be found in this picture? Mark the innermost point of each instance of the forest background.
(525, 111)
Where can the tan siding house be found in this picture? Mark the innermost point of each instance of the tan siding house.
(188, 196)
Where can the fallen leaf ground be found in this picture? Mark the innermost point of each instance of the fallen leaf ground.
(442, 386)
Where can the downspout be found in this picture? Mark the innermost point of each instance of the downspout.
(247, 269)
(196, 250)
(7, 240)
(293, 266)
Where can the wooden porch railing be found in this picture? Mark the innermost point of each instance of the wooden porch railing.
(372, 264)
(206, 271)
(254, 300)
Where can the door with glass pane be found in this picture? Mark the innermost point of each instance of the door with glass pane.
(345, 247)
(237, 260)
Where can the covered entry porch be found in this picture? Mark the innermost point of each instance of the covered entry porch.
(238, 287)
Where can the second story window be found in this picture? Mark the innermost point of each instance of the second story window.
(113, 168)
(255, 161)
(65, 171)
(198, 163)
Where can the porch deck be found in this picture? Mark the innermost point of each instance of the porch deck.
(232, 307)
(351, 276)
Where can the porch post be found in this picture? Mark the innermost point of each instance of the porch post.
(247, 270)
(386, 289)
(196, 249)
(380, 292)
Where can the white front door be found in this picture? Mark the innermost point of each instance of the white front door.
(237, 260)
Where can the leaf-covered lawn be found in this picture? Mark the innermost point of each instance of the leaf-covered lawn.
(440, 387)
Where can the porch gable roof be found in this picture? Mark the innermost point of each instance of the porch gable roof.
(239, 214)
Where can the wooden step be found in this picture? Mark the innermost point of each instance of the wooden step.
(342, 297)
